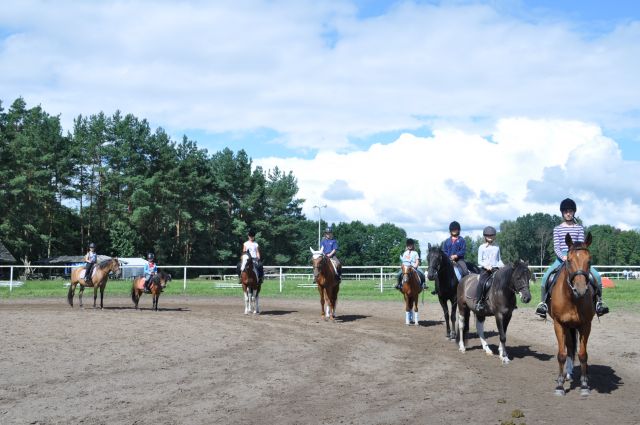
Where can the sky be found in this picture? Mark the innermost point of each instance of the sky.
(410, 112)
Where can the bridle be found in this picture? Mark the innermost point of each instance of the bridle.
(572, 275)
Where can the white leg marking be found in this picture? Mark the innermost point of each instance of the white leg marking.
(480, 329)
(460, 325)
(257, 304)
(407, 317)
(503, 353)
(568, 368)
(416, 319)
(246, 303)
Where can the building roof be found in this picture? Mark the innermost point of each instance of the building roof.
(69, 259)
(5, 255)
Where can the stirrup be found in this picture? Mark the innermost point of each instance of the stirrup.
(601, 308)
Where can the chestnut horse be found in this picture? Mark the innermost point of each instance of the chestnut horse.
(411, 289)
(99, 276)
(157, 284)
(572, 310)
(250, 285)
(328, 285)
(501, 301)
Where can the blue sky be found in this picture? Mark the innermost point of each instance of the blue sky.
(365, 100)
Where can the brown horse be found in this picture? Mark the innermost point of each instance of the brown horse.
(411, 289)
(98, 279)
(328, 285)
(250, 285)
(157, 284)
(572, 310)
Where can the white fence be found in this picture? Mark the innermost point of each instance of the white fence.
(282, 273)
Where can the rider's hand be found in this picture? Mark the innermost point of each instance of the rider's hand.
(564, 258)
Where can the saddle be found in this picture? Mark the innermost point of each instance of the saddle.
(83, 273)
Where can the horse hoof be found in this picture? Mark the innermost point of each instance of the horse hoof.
(505, 360)
(462, 349)
(559, 392)
(488, 353)
(585, 392)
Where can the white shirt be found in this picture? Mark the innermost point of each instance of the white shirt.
(251, 248)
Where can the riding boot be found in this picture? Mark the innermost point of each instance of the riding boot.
(435, 287)
(601, 307)
(399, 284)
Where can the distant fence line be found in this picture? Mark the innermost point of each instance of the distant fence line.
(282, 273)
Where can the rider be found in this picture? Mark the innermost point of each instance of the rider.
(150, 270)
(90, 258)
(570, 226)
(455, 247)
(489, 260)
(410, 258)
(252, 247)
(329, 246)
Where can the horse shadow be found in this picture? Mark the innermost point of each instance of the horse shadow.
(602, 378)
(351, 317)
(429, 323)
(178, 309)
(522, 351)
(277, 312)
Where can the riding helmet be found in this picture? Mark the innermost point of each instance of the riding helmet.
(150, 256)
(454, 225)
(328, 230)
(568, 204)
(252, 233)
(410, 242)
(489, 231)
(92, 245)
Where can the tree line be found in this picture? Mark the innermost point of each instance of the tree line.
(114, 181)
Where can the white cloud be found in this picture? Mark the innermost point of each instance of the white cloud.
(238, 65)
(421, 184)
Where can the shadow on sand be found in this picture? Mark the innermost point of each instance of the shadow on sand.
(277, 312)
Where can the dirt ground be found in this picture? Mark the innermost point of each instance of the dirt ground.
(201, 361)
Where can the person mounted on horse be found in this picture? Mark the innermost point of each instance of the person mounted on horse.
(150, 270)
(410, 258)
(329, 246)
(91, 258)
(489, 261)
(253, 249)
(455, 247)
(569, 226)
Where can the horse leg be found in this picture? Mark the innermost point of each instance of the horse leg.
(416, 315)
(483, 341)
(246, 300)
(257, 310)
(334, 300)
(445, 311)
(407, 310)
(72, 291)
(562, 356)
(102, 295)
(583, 356)
(502, 323)
(80, 294)
(460, 326)
(454, 306)
(95, 295)
(321, 291)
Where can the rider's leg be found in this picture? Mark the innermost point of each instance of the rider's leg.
(543, 308)
(482, 281)
(399, 278)
(338, 269)
(601, 307)
(463, 267)
(422, 279)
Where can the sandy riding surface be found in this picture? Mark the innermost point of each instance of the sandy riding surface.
(203, 361)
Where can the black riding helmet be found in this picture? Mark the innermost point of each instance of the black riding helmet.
(489, 232)
(92, 245)
(150, 256)
(328, 230)
(568, 204)
(453, 226)
(410, 242)
(252, 233)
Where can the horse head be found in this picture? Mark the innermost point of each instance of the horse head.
(578, 265)
(521, 277)
(407, 273)
(163, 279)
(434, 261)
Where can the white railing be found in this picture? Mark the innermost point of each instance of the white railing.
(381, 273)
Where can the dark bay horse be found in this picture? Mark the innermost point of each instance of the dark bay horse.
(250, 285)
(328, 285)
(572, 311)
(157, 284)
(411, 289)
(98, 279)
(501, 301)
(440, 269)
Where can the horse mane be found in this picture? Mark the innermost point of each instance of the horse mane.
(104, 263)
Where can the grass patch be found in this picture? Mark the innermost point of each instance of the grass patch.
(626, 294)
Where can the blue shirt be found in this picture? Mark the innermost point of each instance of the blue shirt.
(328, 245)
(410, 258)
(150, 268)
(457, 247)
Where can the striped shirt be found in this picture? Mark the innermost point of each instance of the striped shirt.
(559, 232)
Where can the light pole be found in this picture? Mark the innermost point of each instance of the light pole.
(319, 207)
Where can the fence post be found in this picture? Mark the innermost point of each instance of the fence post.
(184, 281)
(11, 279)
(381, 287)
(280, 279)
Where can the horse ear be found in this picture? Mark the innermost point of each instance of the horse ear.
(587, 241)
(429, 246)
(568, 240)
